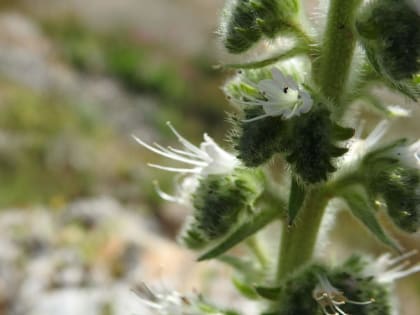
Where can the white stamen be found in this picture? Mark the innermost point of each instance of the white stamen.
(188, 145)
(386, 269)
(207, 159)
(161, 151)
(398, 111)
(175, 169)
(329, 297)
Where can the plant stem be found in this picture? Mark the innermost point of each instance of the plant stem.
(337, 49)
(255, 246)
(298, 241)
(331, 73)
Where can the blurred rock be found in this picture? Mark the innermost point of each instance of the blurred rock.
(88, 257)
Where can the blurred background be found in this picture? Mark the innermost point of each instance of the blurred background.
(80, 223)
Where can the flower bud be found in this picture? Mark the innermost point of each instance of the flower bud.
(400, 189)
(273, 16)
(393, 174)
(219, 202)
(239, 27)
(246, 21)
(390, 33)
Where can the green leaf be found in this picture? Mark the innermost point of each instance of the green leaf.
(245, 289)
(361, 207)
(244, 266)
(269, 293)
(296, 199)
(251, 226)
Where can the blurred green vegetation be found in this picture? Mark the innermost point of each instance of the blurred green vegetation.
(187, 84)
(33, 125)
(54, 149)
(132, 64)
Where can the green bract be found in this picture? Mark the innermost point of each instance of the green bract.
(312, 144)
(309, 141)
(256, 142)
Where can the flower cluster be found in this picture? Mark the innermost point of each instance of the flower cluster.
(207, 159)
(216, 186)
(331, 299)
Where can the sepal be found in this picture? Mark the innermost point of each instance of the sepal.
(258, 141)
(296, 200)
(312, 144)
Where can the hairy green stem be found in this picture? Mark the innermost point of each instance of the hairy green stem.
(337, 49)
(331, 73)
(298, 241)
(255, 246)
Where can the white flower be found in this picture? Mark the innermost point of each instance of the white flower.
(408, 155)
(331, 299)
(205, 160)
(398, 111)
(386, 269)
(360, 147)
(169, 302)
(279, 96)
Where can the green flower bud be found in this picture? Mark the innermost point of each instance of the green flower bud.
(245, 21)
(219, 203)
(274, 16)
(239, 28)
(400, 189)
(312, 145)
(390, 33)
(393, 174)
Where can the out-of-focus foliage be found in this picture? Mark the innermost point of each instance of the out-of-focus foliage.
(136, 66)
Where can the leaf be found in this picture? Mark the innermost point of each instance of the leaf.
(296, 199)
(246, 267)
(362, 209)
(251, 226)
(245, 289)
(269, 293)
